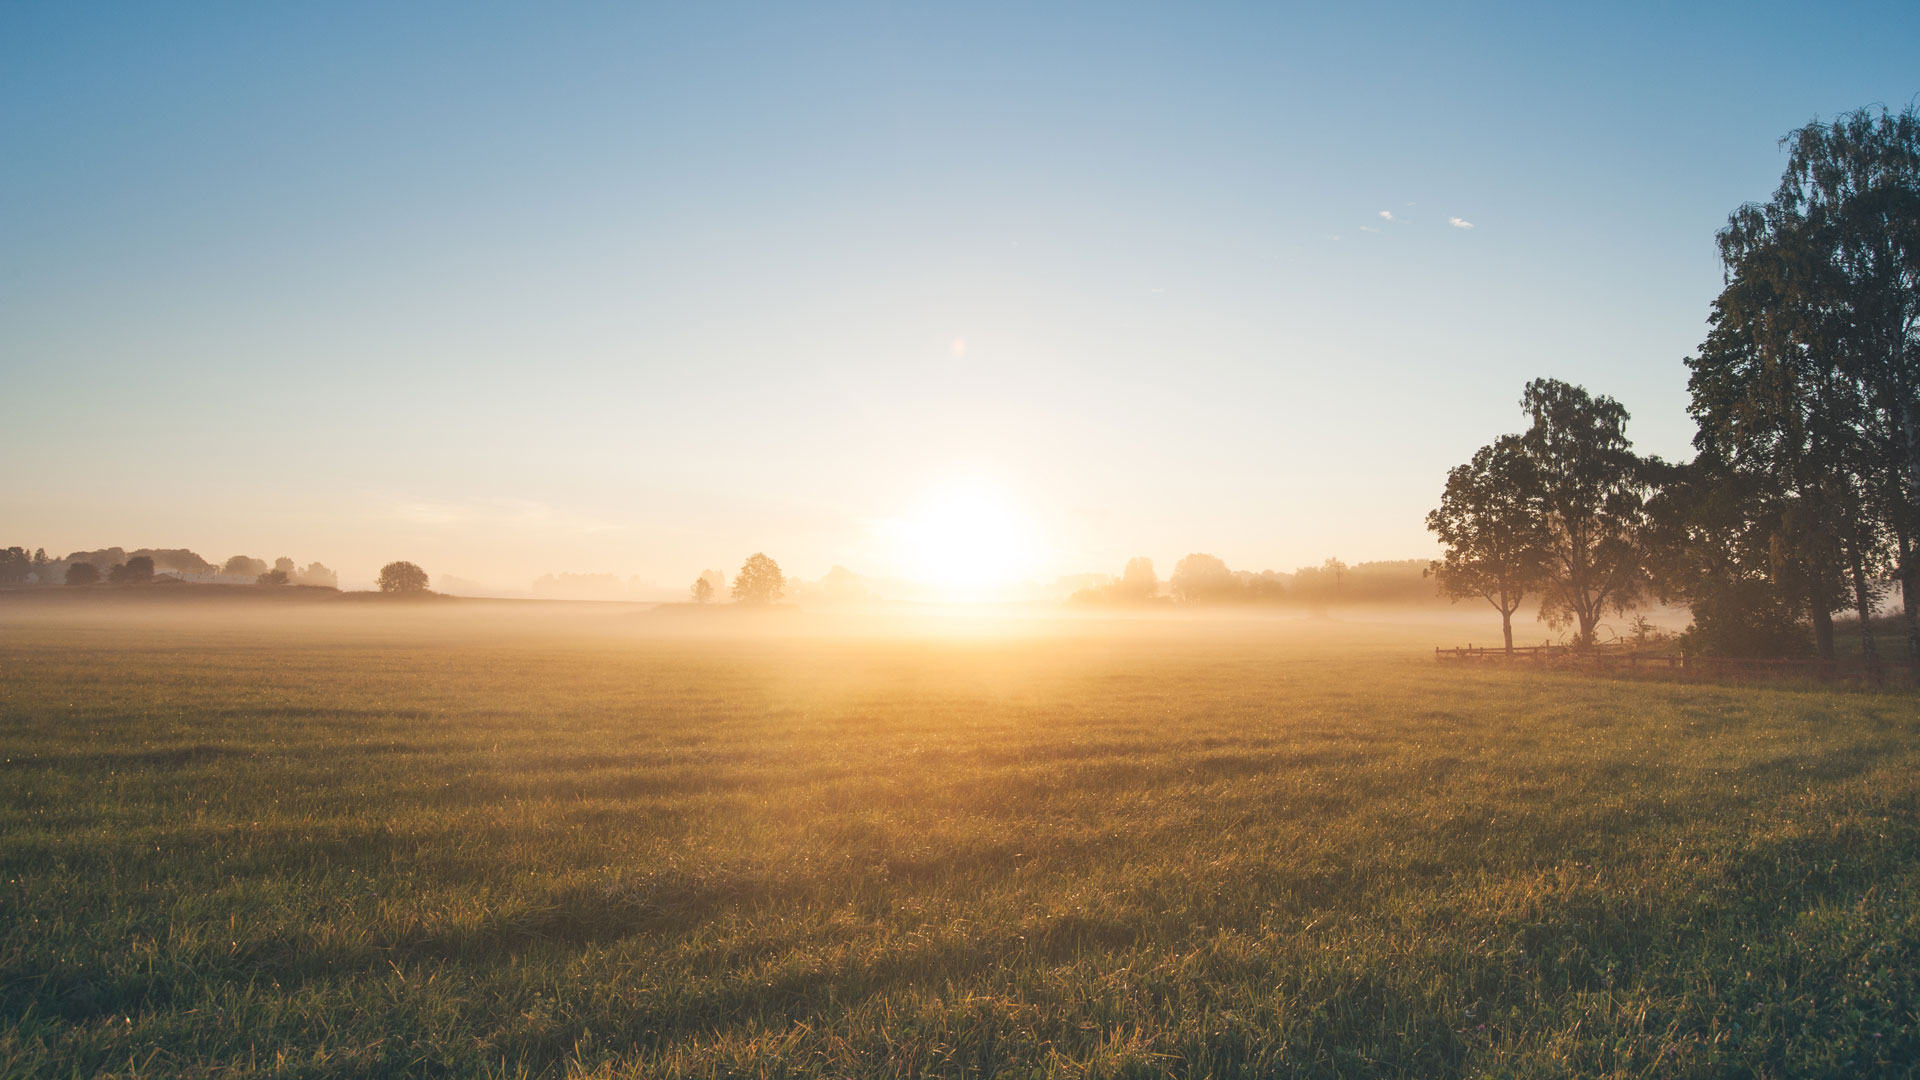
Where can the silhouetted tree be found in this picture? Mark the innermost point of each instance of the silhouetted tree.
(135, 571)
(15, 564)
(1810, 376)
(244, 566)
(82, 573)
(702, 590)
(759, 582)
(1496, 540)
(401, 577)
(1712, 542)
(1589, 491)
(112, 556)
(1202, 578)
(275, 576)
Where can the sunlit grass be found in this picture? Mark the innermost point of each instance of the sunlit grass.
(448, 843)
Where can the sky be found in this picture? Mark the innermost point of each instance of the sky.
(509, 290)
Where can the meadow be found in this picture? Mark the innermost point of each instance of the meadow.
(474, 839)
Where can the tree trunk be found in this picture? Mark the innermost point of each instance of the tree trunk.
(1863, 604)
(1506, 628)
(1909, 592)
(1910, 431)
(1822, 630)
(1909, 588)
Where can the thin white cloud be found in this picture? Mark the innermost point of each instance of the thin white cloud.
(1460, 223)
(1386, 215)
(1368, 228)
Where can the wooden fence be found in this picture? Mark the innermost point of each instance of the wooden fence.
(1623, 659)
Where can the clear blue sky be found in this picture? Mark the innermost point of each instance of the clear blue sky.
(515, 289)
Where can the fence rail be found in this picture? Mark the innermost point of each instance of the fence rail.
(1623, 659)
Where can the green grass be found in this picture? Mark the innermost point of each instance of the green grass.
(501, 842)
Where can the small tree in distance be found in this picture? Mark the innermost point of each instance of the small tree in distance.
(15, 564)
(402, 577)
(760, 581)
(702, 590)
(244, 566)
(1200, 578)
(1496, 542)
(135, 571)
(83, 573)
(1138, 582)
(275, 576)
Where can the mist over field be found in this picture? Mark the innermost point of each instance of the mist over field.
(546, 838)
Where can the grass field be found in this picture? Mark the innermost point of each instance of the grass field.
(501, 840)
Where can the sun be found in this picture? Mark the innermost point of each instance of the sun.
(969, 541)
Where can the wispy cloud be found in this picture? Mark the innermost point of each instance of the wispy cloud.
(1368, 228)
(1387, 215)
(1460, 223)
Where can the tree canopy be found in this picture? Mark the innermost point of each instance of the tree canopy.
(759, 582)
(137, 570)
(1200, 578)
(1808, 384)
(1590, 490)
(402, 577)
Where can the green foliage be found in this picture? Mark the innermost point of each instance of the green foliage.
(760, 581)
(403, 578)
(1224, 851)
(1746, 618)
(1713, 543)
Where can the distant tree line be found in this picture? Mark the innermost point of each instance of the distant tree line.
(118, 566)
(1803, 498)
(1202, 579)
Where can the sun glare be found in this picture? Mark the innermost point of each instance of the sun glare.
(969, 542)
